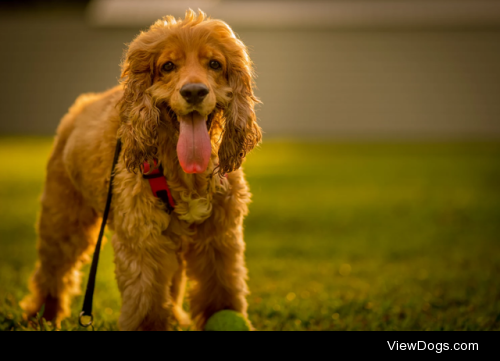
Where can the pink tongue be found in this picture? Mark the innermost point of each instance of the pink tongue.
(194, 148)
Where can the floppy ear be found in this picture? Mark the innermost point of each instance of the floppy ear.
(241, 132)
(138, 113)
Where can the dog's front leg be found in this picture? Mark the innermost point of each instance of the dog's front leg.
(218, 266)
(144, 273)
(215, 258)
(145, 258)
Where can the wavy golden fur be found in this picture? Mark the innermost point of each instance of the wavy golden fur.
(154, 250)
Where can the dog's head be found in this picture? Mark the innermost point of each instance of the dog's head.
(195, 74)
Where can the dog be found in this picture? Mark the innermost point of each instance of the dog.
(185, 101)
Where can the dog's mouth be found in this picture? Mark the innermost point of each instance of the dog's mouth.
(175, 120)
(194, 147)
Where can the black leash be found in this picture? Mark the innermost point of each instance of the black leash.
(89, 294)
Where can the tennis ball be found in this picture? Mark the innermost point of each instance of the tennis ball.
(227, 321)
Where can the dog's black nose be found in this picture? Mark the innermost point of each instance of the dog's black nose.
(194, 93)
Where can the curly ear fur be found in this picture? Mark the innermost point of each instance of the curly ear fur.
(138, 112)
(241, 131)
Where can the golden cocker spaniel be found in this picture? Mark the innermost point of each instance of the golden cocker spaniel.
(185, 101)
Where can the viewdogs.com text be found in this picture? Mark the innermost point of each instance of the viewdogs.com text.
(429, 346)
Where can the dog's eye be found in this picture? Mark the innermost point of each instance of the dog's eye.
(168, 67)
(214, 64)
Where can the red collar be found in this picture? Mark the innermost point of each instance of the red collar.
(159, 185)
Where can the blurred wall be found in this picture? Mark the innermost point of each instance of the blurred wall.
(382, 84)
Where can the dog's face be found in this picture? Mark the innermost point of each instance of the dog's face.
(191, 79)
(193, 71)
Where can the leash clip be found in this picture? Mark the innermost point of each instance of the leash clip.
(87, 324)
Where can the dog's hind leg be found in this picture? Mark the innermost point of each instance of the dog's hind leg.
(67, 230)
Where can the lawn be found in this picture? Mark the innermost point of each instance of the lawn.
(340, 236)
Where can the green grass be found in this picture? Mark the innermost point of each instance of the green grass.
(339, 236)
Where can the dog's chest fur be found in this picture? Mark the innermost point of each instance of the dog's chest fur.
(195, 201)
(197, 198)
